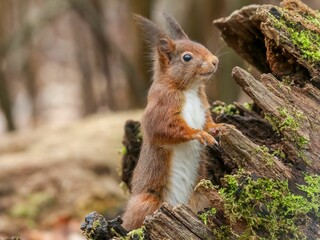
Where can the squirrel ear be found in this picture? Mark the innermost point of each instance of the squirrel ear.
(165, 48)
(176, 31)
(151, 31)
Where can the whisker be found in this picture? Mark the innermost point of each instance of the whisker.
(219, 49)
(224, 53)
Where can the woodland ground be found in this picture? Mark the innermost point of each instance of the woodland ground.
(50, 178)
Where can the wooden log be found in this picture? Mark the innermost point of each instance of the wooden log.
(177, 222)
(293, 111)
(245, 154)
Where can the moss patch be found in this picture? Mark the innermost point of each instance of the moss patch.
(312, 190)
(248, 105)
(306, 39)
(207, 184)
(229, 109)
(268, 207)
(266, 156)
(205, 215)
(289, 123)
(137, 234)
(123, 151)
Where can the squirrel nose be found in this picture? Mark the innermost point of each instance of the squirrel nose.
(215, 61)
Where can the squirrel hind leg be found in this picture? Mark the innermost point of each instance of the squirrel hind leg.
(139, 206)
(198, 202)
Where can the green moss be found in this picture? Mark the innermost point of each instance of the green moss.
(286, 82)
(289, 123)
(136, 234)
(301, 154)
(269, 155)
(248, 106)
(313, 20)
(312, 190)
(123, 151)
(96, 228)
(266, 156)
(306, 40)
(226, 109)
(221, 232)
(278, 153)
(207, 184)
(268, 206)
(205, 215)
(139, 135)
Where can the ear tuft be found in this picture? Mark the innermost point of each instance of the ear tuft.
(176, 30)
(151, 32)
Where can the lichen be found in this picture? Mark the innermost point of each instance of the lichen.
(268, 206)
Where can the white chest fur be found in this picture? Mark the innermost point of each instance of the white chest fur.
(186, 156)
(192, 111)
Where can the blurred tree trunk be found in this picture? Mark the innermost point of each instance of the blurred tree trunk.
(91, 12)
(83, 59)
(31, 86)
(5, 100)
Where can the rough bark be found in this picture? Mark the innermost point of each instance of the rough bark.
(272, 38)
(275, 142)
(178, 221)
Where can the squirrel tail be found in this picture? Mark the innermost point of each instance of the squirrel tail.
(139, 206)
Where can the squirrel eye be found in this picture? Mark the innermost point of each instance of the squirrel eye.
(187, 57)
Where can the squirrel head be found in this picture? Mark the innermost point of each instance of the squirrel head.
(177, 59)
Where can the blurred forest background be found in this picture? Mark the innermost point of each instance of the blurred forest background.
(63, 60)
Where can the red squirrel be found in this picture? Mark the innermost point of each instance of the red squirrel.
(175, 125)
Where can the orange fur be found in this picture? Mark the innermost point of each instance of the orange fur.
(140, 206)
(163, 125)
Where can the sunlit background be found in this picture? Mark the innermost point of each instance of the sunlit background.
(71, 73)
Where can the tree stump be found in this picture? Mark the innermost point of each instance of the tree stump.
(266, 169)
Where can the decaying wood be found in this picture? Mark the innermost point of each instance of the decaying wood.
(96, 227)
(253, 33)
(177, 222)
(284, 117)
(132, 142)
(272, 97)
(241, 151)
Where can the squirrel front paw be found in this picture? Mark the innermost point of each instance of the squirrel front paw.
(215, 128)
(205, 138)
